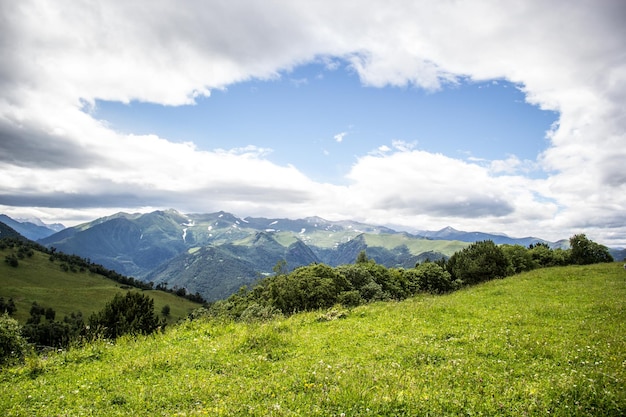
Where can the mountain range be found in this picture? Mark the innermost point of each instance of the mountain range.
(215, 254)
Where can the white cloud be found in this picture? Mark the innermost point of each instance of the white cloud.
(59, 57)
(339, 137)
(512, 165)
(403, 146)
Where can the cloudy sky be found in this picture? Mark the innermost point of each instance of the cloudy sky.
(417, 115)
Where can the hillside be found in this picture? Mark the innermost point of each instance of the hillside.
(548, 342)
(37, 279)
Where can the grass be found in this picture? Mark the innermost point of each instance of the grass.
(546, 342)
(38, 279)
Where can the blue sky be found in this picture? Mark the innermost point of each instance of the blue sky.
(485, 116)
(321, 120)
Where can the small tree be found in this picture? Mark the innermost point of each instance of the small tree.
(132, 313)
(362, 257)
(12, 345)
(433, 278)
(480, 261)
(165, 311)
(7, 307)
(585, 251)
(520, 258)
(12, 260)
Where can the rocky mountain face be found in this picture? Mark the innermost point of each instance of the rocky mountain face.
(215, 254)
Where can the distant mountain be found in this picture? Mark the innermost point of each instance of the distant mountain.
(619, 254)
(216, 253)
(449, 233)
(33, 229)
(56, 227)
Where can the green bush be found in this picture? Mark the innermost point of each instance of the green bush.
(433, 278)
(129, 314)
(520, 259)
(13, 346)
(585, 251)
(480, 261)
(307, 288)
(350, 298)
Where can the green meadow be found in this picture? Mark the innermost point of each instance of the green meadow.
(548, 342)
(36, 279)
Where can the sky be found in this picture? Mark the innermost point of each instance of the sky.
(504, 118)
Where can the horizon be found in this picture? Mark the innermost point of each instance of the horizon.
(415, 116)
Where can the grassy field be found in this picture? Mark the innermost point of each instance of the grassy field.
(549, 342)
(38, 279)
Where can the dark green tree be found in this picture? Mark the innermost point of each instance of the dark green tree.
(480, 261)
(132, 313)
(7, 307)
(307, 288)
(432, 278)
(519, 257)
(13, 346)
(362, 257)
(280, 268)
(12, 260)
(585, 251)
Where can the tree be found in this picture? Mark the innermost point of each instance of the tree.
(480, 261)
(585, 251)
(12, 345)
(306, 288)
(12, 260)
(165, 311)
(132, 313)
(520, 258)
(362, 257)
(7, 307)
(280, 268)
(433, 278)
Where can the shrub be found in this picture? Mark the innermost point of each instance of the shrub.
(520, 259)
(13, 346)
(585, 251)
(433, 278)
(349, 298)
(12, 260)
(129, 314)
(480, 261)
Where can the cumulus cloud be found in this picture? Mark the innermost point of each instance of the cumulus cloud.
(58, 56)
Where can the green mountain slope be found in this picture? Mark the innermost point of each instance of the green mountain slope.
(549, 342)
(37, 279)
